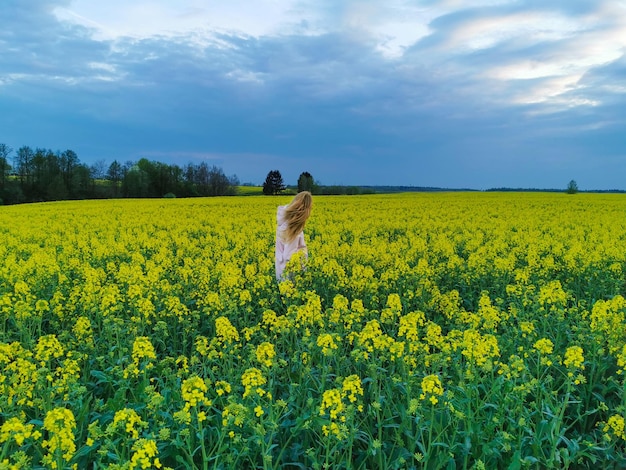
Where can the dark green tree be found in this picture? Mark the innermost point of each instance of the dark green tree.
(136, 182)
(50, 181)
(305, 182)
(55, 189)
(68, 163)
(175, 180)
(273, 183)
(82, 182)
(572, 187)
(44, 167)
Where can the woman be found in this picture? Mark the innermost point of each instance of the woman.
(290, 222)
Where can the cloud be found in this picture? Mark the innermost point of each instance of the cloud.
(366, 88)
(143, 18)
(514, 44)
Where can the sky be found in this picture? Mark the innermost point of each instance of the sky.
(472, 94)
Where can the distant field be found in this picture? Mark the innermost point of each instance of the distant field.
(249, 190)
(429, 330)
(258, 190)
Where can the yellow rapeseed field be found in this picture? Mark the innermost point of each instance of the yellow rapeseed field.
(449, 330)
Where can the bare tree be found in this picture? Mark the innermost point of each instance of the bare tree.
(5, 168)
(98, 169)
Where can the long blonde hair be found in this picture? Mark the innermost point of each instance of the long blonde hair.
(296, 215)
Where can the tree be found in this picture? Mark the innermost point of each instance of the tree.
(572, 187)
(82, 182)
(273, 183)
(68, 163)
(201, 179)
(98, 169)
(115, 175)
(305, 182)
(5, 168)
(234, 182)
(175, 179)
(40, 174)
(188, 177)
(136, 182)
(219, 184)
(23, 163)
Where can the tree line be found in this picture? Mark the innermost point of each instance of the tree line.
(274, 184)
(38, 175)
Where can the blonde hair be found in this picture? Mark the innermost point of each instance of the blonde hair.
(296, 215)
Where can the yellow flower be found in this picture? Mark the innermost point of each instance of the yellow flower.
(431, 389)
(82, 327)
(615, 426)
(544, 346)
(337, 410)
(310, 313)
(409, 325)
(225, 331)
(130, 419)
(183, 363)
(47, 347)
(340, 303)
(142, 349)
(489, 314)
(194, 391)
(352, 388)
(479, 349)
(42, 306)
(574, 358)
(145, 454)
(527, 327)
(60, 424)
(253, 380)
(553, 294)
(393, 310)
(222, 387)
(335, 429)
(21, 288)
(265, 354)
(326, 341)
(332, 403)
(234, 414)
(14, 428)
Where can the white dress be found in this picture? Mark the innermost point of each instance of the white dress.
(284, 251)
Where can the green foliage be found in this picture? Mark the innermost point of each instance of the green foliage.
(306, 182)
(44, 175)
(273, 183)
(5, 168)
(572, 187)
